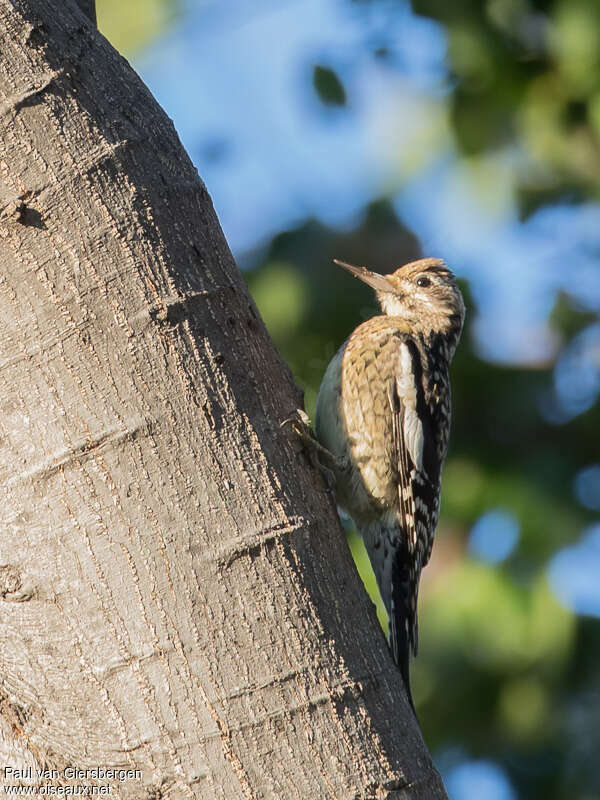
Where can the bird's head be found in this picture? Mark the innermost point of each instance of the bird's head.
(423, 293)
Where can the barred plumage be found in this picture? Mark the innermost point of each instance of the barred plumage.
(383, 412)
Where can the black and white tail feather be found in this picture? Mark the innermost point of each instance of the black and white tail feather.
(403, 619)
(398, 584)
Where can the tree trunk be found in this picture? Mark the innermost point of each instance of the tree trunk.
(177, 598)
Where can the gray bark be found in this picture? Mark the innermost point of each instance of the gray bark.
(176, 595)
(89, 8)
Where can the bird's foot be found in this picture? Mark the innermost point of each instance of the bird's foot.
(320, 456)
(300, 424)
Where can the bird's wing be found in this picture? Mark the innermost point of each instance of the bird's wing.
(412, 440)
(413, 446)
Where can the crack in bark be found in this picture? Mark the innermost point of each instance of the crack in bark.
(253, 544)
(77, 454)
(176, 309)
(29, 97)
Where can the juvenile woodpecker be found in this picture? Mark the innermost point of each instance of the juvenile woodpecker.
(383, 417)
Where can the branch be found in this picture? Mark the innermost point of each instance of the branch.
(175, 586)
(89, 8)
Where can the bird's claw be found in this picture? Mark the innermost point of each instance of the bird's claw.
(320, 456)
(300, 424)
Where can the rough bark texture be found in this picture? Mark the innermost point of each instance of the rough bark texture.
(175, 593)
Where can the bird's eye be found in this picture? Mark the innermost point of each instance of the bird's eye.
(423, 281)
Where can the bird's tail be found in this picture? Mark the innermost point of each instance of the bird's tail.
(398, 584)
(403, 619)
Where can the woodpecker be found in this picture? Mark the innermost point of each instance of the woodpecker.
(383, 421)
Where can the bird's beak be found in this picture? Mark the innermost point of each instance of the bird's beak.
(378, 282)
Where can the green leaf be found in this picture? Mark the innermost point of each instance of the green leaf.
(328, 86)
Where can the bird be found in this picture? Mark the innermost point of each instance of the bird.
(382, 426)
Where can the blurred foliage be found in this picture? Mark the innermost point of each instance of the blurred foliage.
(528, 74)
(129, 26)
